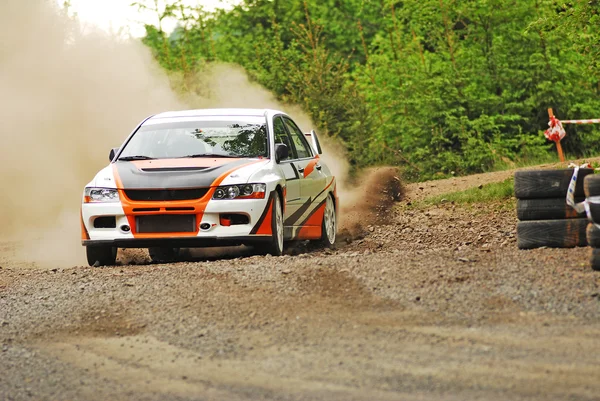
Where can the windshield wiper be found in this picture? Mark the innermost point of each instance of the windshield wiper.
(209, 155)
(130, 158)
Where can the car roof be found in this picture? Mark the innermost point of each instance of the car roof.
(217, 113)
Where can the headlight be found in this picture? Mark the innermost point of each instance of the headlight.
(244, 191)
(93, 195)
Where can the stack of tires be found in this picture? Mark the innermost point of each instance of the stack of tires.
(545, 219)
(592, 194)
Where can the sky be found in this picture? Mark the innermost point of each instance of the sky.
(119, 17)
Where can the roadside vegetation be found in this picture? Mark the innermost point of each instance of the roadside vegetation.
(438, 87)
(494, 192)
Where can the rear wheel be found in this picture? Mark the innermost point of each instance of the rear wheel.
(101, 255)
(329, 224)
(275, 244)
(163, 254)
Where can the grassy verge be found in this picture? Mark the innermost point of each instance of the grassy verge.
(493, 192)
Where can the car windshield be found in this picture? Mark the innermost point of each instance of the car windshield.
(197, 138)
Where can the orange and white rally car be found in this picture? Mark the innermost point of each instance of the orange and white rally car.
(214, 177)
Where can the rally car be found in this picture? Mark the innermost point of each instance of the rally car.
(212, 177)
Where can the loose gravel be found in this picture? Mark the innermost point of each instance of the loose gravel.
(432, 303)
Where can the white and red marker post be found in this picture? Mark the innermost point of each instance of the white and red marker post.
(556, 132)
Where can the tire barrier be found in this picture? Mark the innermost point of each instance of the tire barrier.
(546, 219)
(591, 186)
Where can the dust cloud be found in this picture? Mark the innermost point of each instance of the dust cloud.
(65, 100)
(68, 97)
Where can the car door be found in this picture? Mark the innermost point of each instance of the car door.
(312, 178)
(292, 176)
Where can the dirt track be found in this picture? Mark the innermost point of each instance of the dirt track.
(433, 304)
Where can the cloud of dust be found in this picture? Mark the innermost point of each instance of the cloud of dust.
(67, 98)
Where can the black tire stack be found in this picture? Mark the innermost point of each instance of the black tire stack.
(545, 219)
(592, 189)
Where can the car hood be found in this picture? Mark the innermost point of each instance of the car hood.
(176, 173)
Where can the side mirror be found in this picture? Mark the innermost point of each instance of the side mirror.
(281, 152)
(112, 153)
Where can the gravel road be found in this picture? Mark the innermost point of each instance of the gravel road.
(434, 303)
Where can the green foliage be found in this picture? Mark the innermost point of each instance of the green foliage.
(439, 87)
(189, 46)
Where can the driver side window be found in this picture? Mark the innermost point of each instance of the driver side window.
(302, 147)
(281, 136)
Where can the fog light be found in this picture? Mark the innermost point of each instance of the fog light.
(205, 226)
(125, 228)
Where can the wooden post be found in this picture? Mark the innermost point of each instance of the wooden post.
(559, 149)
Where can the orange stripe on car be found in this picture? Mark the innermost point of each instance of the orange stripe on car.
(332, 180)
(311, 229)
(310, 167)
(84, 232)
(219, 180)
(265, 227)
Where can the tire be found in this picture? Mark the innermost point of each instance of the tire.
(591, 185)
(275, 244)
(595, 259)
(594, 212)
(101, 255)
(163, 254)
(329, 224)
(536, 184)
(567, 233)
(546, 209)
(592, 234)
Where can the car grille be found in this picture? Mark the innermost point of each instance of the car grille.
(165, 194)
(166, 223)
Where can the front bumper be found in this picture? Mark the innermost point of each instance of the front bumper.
(174, 242)
(207, 212)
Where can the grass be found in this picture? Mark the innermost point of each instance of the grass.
(497, 192)
(548, 158)
(487, 193)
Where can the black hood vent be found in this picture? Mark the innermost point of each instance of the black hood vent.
(173, 177)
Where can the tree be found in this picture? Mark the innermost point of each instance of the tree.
(439, 87)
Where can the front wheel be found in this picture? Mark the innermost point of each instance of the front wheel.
(275, 244)
(329, 224)
(101, 255)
